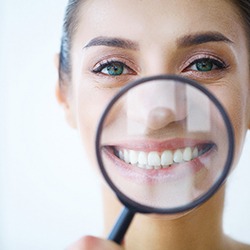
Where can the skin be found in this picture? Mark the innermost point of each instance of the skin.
(156, 31)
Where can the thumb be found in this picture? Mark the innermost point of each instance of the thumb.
(94, 243)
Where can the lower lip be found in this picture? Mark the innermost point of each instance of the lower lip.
(149, 176)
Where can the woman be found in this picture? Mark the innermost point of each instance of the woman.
(109, 43)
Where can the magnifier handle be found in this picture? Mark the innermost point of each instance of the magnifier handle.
(121, 225)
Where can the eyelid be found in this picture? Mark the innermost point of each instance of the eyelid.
(190, 62)
(128, 64)
(108, 81)
(103, 65)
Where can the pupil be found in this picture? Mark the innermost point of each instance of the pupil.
(205, 66)
(115, 69)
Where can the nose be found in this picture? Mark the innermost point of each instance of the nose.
(155, 105)
(160, 117)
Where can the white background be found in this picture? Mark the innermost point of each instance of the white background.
(48, 195)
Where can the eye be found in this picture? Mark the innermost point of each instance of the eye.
(112, 68)
(206, 65)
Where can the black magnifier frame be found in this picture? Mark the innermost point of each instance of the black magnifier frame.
(131, 205)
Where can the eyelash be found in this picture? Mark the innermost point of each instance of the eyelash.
(110, 63)
(217, 65)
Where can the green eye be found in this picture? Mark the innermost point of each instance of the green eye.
(206, 65)
(114, 69)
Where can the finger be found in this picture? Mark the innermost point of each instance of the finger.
(94, 243)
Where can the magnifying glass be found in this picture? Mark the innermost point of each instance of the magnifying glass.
(164, 145)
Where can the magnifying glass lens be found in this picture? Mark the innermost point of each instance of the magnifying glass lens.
(164, 144)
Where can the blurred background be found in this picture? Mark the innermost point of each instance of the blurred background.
(49, 196)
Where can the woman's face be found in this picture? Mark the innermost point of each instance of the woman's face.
(119, 41)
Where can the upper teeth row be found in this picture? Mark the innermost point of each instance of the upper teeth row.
(156, 160)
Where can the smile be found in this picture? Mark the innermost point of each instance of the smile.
(161, 160)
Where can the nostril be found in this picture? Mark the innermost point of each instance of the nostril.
(160, 117)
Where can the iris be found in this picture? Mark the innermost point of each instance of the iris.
(205, 65)
(115, 69)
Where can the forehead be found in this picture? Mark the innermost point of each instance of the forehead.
(149, 20)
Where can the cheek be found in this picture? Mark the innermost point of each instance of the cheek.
(90, 104)
(235, 103)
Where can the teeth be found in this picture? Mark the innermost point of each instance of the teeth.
(156, 160)
(178, 156)
(166, 158)
(133, 157)
(195, 152)
(126, 156)
(121, 156)
(187, 154)
(142, 158)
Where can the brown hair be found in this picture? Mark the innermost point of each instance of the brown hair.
(71, 21)
(69, 28)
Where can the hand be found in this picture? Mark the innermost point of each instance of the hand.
(94, 243)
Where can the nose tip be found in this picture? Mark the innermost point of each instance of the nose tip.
(160, 117)
(156, 105)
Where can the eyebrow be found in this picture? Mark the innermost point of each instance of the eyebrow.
(200, 38)
(112, 42)
(185, 41)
